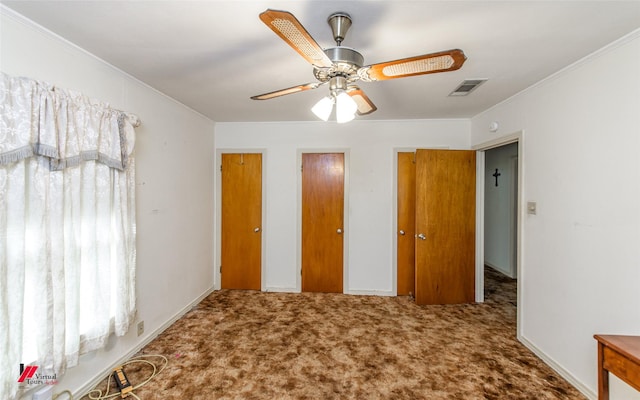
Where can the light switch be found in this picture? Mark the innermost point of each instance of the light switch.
(532, 208)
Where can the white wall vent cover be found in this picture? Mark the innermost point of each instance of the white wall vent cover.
(467, 86)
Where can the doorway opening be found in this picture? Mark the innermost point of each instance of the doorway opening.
(501, 224)
(509, 280)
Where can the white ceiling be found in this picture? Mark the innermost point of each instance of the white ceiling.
(213, 55)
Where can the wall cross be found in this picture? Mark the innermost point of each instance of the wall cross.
(496, 175)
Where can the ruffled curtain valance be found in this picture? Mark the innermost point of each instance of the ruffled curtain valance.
(67, 127)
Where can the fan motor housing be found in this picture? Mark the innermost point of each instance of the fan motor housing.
(346, 62)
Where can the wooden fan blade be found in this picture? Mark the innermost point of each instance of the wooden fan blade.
(365, 105)
(282, 92)
(285, 25)
(443, 61)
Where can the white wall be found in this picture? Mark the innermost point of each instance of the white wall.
(174, 159)
(580, 271)
(370, 230)
(499, 209)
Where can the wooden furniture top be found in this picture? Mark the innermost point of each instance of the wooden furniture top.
(628, 346)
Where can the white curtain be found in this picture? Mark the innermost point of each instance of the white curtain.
(67, 227)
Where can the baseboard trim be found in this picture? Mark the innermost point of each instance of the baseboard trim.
(84, 389)
(559, 369)
(349, 292)
(281, 289)
(358, 292)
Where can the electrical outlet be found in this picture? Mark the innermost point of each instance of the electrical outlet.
(140, 328)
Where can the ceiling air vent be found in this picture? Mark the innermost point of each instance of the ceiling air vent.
(467, 86)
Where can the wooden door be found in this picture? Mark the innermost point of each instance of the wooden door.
(406, 202)
(322, 222)
(445, 226)
(241, 221)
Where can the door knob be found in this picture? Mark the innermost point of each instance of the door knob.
(339, 231)
(256, 230)
(422, 236)
(401, 232)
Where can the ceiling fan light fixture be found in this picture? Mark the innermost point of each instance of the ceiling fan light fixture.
(322, 109)
(346, 107)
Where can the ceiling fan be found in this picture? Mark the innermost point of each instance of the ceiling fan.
(341, 67)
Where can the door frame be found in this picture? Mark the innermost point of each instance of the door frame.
(516, 137)
(217, 277)
(513, 202)
(345, 227)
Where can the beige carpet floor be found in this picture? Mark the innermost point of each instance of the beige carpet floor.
(254, 345)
